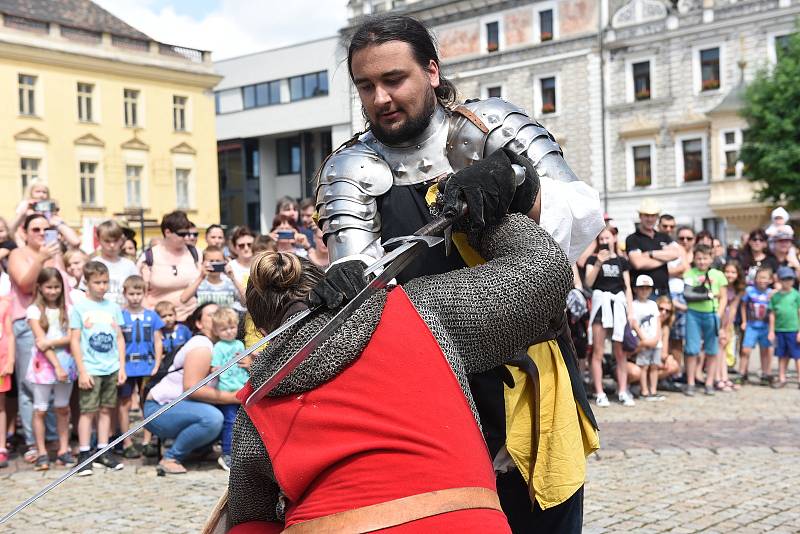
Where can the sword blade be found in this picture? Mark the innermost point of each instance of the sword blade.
(400, 257)
(235, 360)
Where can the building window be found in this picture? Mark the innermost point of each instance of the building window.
(85, 91)
(133, 185)
(546, 25)
(182, 188)
(709, 69)
(496, 91)
(308, 85)
(88, 183)
(642, 166)
(262, 94)
(27, 93)
(548, 86)
(782, 45)
(288, 150)
(492, 36)
(28, 170)
(131, 98)
(179, 113)
(692, 160)
(641, 80)
(731, 143)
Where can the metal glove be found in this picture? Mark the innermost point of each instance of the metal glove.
(342, 282)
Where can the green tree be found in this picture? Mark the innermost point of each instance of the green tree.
(771, 147)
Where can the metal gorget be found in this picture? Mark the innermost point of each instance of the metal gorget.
(420, 159)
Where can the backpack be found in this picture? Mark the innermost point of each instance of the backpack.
(163, 370)
(148, 255)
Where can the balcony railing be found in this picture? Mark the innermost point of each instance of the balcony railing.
(195, 56)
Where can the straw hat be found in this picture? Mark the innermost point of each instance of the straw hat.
(649, 207)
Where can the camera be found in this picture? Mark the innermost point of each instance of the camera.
(44, 206)
(218, 266)
(285, 235)
(603, 246)
(50, 236)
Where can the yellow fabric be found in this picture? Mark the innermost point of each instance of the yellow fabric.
(251, 334)
(564, 440)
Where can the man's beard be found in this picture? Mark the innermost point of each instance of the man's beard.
(412, 127)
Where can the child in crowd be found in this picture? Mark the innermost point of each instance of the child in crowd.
(666, 317)
(703, 317)
(779, 217)
(174, 334)
(226, 322)
(212, 286)
(7, 348)
(784, 323)
(755, 323)
(52, 369)
(143, 352)
(111, 238)
(99, 350)
(731, 323)
(74, 260)
(647, 326)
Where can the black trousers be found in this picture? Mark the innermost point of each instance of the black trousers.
(566, 518)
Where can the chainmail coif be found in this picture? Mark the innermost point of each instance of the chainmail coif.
(480, 316)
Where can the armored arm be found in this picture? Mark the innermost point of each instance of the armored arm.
(487, 314)
(348, 184)
(570, 208)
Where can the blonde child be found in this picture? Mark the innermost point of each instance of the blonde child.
(226, 323)
(647, 326)
(7, 347)
(52, 369)
(74, 260)
(730, 329)
(666, 316)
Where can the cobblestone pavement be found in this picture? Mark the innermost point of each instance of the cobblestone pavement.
(729, 463)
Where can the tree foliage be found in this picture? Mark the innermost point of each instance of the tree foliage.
(771, 147)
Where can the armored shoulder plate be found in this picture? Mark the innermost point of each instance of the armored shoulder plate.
(479, 128)
(348, 184)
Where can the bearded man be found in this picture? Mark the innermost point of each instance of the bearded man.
(384, 183)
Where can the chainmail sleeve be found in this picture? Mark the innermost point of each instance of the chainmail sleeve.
(486, 314)
(252, 490)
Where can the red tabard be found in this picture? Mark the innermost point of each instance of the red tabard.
(395, 423)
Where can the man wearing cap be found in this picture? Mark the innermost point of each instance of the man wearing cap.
(649, 251)
(782, 243)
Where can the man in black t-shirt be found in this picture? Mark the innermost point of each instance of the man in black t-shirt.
(650, 251)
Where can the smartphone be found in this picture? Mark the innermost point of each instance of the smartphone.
(603, 246)
(218, 266)
(50, 236)
(285, 235)
(43, 206)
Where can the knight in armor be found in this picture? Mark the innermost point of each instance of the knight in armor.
(377, 430)
(534, 414)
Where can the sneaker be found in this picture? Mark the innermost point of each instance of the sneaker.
(224, 462)
(149, 450)
(86, 470)
(689, 391)
(42, 463)
(65, 460)
(765, 380)
(655, 397)
(709, 390)
(3, 458)
(602, 400)
(108, 461)
(131, 452)
(626, 399)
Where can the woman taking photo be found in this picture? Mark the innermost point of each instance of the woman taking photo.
(195, 422)
(24, 265)
(169, 267)
(608, 275)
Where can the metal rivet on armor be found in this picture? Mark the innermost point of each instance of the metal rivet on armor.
(466, 143)
(418, 147)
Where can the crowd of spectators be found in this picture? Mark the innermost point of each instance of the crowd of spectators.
(88, 337)
(671, 308)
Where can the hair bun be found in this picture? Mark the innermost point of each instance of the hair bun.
(278, 271)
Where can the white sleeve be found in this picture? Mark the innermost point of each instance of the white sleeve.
(571, 213)
(33, 312)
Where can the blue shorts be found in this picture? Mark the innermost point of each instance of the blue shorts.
(756, 335)
(701, 327)
(786, 345)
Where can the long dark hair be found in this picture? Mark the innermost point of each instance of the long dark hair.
(380, 29)
(747, 251)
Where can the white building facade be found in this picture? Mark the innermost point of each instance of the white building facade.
(279, 113)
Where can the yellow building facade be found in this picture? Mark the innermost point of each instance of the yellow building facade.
(112, 121)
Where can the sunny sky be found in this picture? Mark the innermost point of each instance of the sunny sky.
(231, 27)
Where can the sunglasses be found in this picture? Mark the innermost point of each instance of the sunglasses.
(664, 309)
(759, 239)
(244, 245)
(34, 230)
(184, 233)
(685, 238)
